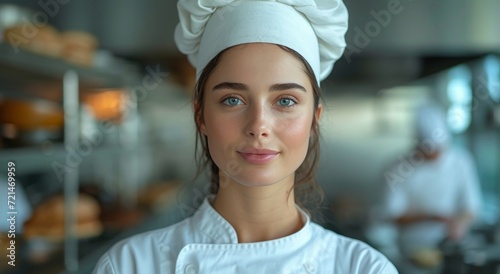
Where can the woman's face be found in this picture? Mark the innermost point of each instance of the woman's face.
(258, 112)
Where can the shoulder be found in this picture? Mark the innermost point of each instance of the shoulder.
(460, 159)
(145, 250)
(363, 258)
(354, 256)
(458, 154)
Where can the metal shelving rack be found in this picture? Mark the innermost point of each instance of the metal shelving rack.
(18, 67)
(39, 67)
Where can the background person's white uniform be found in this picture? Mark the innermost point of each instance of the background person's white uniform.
(445, 187)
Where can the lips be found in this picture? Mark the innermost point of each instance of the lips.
(258, 155)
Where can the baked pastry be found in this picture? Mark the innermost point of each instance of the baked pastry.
(118, 217)
(4, 244)
(4, 252)
(44, 40)
(79, 40)
(79, 47)
(48, 219)
(30, 115)
(427, 258)
(106, 105)
(158, 197)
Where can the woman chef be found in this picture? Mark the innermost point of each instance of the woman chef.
(256, 108)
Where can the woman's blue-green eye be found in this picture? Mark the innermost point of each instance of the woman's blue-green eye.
(232, 101)
(286, 102)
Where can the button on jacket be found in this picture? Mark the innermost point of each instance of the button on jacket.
(207, 243)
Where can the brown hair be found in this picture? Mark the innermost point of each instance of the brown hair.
(307, 192)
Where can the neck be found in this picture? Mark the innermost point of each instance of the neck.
(259, 213)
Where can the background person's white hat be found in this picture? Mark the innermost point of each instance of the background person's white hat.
(313, 28)
(431, 127)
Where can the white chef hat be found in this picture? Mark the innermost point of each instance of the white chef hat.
(313, 28)
(431, 127)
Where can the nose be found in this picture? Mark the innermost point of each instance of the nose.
(258, 122)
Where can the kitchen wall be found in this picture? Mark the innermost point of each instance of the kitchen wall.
(405, 27)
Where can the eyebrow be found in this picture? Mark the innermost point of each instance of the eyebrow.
(243, 87)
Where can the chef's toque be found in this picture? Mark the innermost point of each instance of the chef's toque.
(431, 126)
(313, 28)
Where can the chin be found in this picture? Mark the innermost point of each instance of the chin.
(254, 182)
(254, 179)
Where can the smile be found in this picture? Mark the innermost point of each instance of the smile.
(258, 156)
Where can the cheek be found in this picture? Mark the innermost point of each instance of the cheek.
(219, 125)
(221, 135)
(296, 132)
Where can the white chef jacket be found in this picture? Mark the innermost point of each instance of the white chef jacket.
(207, 243)
(446, 186)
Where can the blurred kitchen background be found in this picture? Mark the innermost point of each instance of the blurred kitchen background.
(95, 107)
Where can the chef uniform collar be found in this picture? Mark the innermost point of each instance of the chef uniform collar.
(212, 224)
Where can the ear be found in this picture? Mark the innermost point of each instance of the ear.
(319, 112)
(199, 118)
(317, 115)
(203, 128)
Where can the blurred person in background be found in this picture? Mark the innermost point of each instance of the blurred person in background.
(433, 192)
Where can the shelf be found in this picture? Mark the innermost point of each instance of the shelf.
(36, 159)
(27, 75)
(22, 63)
(30, 76)
(91, 250)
